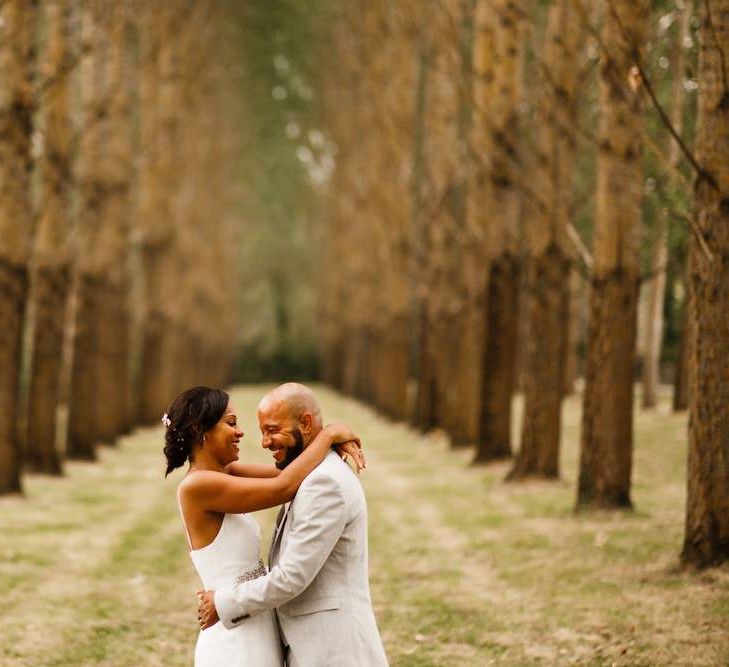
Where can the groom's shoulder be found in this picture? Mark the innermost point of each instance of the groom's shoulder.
(331, 468)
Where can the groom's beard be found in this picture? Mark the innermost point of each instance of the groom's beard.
(294, 451)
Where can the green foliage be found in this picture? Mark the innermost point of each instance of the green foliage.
(291, 362)
(281, 154)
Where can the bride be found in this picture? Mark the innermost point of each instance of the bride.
(215, 497)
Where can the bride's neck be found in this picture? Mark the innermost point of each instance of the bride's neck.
(203, 462)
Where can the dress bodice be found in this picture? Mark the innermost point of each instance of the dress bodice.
(235, 552)
(234, 555)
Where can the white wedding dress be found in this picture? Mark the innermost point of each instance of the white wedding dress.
(234, 555)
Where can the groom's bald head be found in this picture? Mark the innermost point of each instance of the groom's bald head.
(298, 400)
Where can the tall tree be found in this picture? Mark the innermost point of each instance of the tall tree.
(17, 18)
(706, 540)
(501, 115)
(159, 146)
(51, 273)
(84, 423)
(606, 452)
(659, 260)
(549, 261)
(441, 401)
(111, 239)
(462, 407)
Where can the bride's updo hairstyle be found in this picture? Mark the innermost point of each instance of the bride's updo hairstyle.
(192, 413)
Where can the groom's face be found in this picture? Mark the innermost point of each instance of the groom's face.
(281, 433)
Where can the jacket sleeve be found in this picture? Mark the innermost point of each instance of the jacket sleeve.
(318, 523)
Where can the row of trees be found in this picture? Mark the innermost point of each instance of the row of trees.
(493, 161)
(117, 242)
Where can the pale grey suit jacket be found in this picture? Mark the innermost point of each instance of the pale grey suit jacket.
(319, 577)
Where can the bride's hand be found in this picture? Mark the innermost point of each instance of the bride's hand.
(353, 449)
(347, 443)
(340, 433)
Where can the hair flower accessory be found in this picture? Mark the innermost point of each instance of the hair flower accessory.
(166, 420)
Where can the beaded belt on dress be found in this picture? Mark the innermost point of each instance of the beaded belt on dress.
(252, 574)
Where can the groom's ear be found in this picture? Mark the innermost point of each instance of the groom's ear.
(306, 421)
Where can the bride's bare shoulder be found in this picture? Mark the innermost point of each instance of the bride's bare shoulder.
(200, 481)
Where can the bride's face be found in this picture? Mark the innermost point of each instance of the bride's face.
(222, 440)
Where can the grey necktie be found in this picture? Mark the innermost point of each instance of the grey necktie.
(279, 518)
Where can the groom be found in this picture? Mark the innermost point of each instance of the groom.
(318, 580)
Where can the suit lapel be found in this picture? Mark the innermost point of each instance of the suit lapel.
(278, 531)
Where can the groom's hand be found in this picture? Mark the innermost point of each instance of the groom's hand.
(207, 614)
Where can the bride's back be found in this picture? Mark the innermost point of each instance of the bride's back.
(232, 554)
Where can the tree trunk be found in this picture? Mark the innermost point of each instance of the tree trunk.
(499, 69)
(156, 177)
(548, 283)
(462, 406)
(16, 219)
(468, 339)
(50, 284)
(393, 381)
(607, 421)
(13, 286)
(499, 360)
(427, 398)
(706, 541)
(49, 292)
(574, 331)
(112, 246)
(654, 312)
(548, 273)
(683, 363)
(659, 268)
(86, 408)
(82, 414)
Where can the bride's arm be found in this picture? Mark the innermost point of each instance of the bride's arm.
(220, 492)
(252, 469)
(344, 449)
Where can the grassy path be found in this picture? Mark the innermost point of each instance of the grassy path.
(465, 570)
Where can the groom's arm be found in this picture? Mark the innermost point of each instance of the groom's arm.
(318, 524)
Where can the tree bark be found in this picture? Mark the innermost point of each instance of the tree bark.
(81, 439)
(706, 540)
(548, 272)
(50, 284)
(683, 363)
(112, 245)
(659, 268)
(499, 67)
(86, 426)
(548, 282)
(158, 138)
(574, 331)
(499, 360)
(13, 287)
(16, 218)
(607, 421)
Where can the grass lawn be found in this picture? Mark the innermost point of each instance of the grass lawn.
(465, 570)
